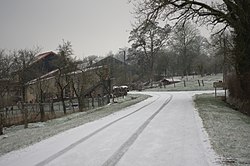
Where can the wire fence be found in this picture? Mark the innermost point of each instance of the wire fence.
(13, 115)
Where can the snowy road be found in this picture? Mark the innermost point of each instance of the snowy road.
(162, 130)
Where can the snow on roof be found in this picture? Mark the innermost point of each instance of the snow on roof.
(171, 80)
(46, 76)
(50, 75)
(42, 55)
(85, 70)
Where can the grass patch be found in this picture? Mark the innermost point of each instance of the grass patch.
(228, 129)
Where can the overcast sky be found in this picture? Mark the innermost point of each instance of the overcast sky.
(94, 27)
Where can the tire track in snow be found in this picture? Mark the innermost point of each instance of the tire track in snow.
(115, 158)
(71, 146)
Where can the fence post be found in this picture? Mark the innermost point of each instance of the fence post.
(199, 83)
(215, 92)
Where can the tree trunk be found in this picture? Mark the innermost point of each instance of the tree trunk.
(63, 103)
(242, 53)
(1, 124)
(41, 104)
(23, 109)
(242, 66)
(25, 116)
(64, 107)
(109, 90)
(81, 103)
(93, 102)
(52, 108)
(42, 112)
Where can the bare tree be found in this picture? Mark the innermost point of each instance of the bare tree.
(62, 81)
(3, 92)
(22, 59)
(184, 39)
(223, 48)
(5, 64)
(202, 59)
(42, 88)
(149, 37)
(104, 76)
(65, 52)
(232, 14)
(64, 65)
(162, 64)
(78, 83)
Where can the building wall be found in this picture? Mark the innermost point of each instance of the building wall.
(86, 82)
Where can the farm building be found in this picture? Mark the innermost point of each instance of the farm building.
(90, 82)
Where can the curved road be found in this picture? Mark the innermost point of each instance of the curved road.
(162, 130)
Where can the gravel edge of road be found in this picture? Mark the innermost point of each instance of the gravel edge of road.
(17, 138)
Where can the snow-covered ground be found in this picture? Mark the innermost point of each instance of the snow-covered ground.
(191, 83)
(17, 137)
(162, 130)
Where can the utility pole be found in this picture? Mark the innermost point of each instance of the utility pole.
(125, 68)
(124, 64)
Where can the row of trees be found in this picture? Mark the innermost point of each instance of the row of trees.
(158, 49)
(233, 18)
(178, 50)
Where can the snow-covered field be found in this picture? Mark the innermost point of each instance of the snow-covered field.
(17, 137)
(229, 130)
(192, 83)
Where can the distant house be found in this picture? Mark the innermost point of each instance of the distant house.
(119, 71)
(11, 88)
(109, 60)
(45, 61)
(168, 81)
(41, 64)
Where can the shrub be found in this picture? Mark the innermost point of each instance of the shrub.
(238, 97)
